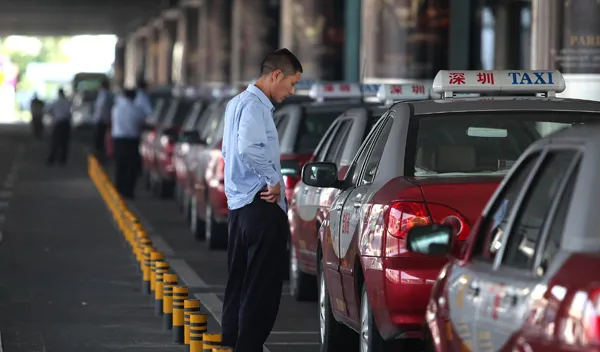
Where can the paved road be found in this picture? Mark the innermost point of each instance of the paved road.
(67, 281)
(297, 326)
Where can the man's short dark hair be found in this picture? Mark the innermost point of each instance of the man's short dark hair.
(61, 92)
(281, 59)
(129, 94)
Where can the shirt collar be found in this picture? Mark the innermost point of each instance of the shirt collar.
(261, 96)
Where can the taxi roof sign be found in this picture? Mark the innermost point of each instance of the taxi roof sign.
(388, 93)
(546, 82)
(322, 91)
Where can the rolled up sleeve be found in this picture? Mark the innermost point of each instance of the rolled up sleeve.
(252, 142)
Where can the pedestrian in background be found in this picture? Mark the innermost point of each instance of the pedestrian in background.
(126, 127)
(142, 99)
(36, 108)
(60, 111)
(258, 223)
(101, 118)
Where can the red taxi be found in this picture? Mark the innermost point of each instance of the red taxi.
(526, 280)
(430, 161)
(148, 137)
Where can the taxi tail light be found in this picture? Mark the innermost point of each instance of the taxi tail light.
(591, 318)
(444, 215)
(403, 216)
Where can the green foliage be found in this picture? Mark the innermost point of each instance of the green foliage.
(50, 51)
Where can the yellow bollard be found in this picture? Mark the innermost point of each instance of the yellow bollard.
(162, 268)
(222, 349)
(146, 270)
(210, 341)
(180, 294)
(154, 256)
(136, 248)
(144, 242)
(198, 327)
(169, 281)
(189, 306)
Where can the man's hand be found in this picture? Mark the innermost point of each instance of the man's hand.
(272, 194)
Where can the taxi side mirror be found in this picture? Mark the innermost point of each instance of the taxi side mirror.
(430, 239)
(321, 174)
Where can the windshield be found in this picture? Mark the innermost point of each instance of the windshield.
(159, 111)
(312, 128)
(178, 110)
(479, 143)
(192, 118)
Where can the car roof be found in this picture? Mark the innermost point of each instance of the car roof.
(336, 104)
(424, 107)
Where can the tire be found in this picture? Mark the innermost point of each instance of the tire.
(216, 233)
(303, 287)
(196, 224)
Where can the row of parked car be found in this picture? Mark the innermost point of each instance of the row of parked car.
(418, 212)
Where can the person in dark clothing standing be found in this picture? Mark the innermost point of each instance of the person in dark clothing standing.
(127, 122)
(102, 112)
(37, 115)
(258, 224)
(60, 111)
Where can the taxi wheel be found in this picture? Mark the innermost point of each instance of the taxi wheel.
(179, 196)
(303, 287)
(164, 189)
(196, 224)
(334, 336)
(370, 338)
(146, 180)
(216, 233)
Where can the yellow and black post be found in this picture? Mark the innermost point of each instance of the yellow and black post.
(146, 270)
(222, 349)
(154, 257)
(162, 268)
(198, 327)
(169, 281)
(144, 242)
(210, 341)
(180, 294)
(189, 306)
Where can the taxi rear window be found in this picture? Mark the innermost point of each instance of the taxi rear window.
(159, 111)
(312, 128)
(479, 143)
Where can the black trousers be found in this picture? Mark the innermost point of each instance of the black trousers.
(127, 165)
(59, 142)
(257, 263)
(99, 140)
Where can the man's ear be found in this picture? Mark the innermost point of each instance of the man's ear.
(277, 75)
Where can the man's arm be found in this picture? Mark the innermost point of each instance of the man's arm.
(252, 141)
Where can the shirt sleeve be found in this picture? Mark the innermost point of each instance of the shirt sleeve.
(252, 142)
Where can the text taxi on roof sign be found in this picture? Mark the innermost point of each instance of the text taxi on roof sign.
(546, 83)
(321, 91)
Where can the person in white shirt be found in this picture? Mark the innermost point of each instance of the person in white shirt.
(127, 123)
(60, 111)
(102, 110)
(142, 99)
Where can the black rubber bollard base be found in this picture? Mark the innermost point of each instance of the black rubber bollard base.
(178, 334)
(158, 307)
(168, 321)
(152, 297)
(146, 287)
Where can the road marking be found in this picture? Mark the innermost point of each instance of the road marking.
(1, 347)
(186, 273)
(162, 245)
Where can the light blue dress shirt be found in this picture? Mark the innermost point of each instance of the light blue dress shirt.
(250, 148)
(103, 106)
(128, 119)
(143, 101)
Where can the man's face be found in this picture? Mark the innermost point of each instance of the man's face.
(283, 85)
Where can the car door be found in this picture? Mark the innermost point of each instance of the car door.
(463, 283)
(354, 207)
(514, 275)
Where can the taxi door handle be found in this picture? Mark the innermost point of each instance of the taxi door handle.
(338, 207)
(473, 290)
(305, 191)
(318, 190)
(357, 205)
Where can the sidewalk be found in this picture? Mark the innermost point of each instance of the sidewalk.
(67, 280)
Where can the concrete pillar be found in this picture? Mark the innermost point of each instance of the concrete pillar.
(404, 41)
(119, 63)
(570, 31)
(167, 37)
(255, 33)
(314, 31)
(352, 41)
(215, 41)
(185, 51)
(152, 53)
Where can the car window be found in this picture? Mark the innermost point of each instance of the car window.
(158, 112)
(281, 125)
(370, 169)
(193, 116)
(212, 122)
(527, 229)
(329, 135)
(339, 140)
(180, 111)
(313, 126)
(555, 233)
(361, 155)
(489, 239)
(480, 142)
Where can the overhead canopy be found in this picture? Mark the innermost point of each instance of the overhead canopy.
(72, 17)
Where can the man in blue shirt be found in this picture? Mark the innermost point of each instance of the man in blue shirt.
(258, 224)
